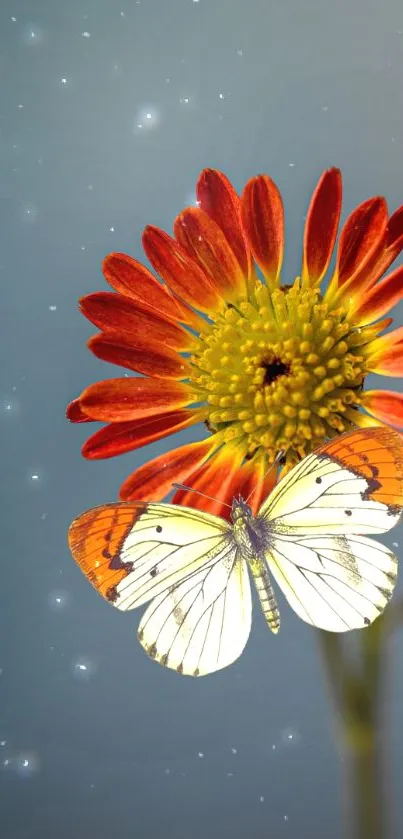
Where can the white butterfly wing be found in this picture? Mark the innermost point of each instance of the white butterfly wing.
(354, 484)
(335, 583)
(202, 624)
(182, 559)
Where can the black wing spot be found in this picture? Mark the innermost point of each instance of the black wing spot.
(348, 512)
(367, 621)
(153, 572)
(159, 528)
(111, 594)
(318, 480)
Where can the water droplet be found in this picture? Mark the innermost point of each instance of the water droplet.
(58, 600)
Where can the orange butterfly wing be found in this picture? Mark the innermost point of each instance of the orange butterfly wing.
(96, 539)
(375, 454)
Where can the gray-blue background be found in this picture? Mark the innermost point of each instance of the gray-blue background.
(97, 740)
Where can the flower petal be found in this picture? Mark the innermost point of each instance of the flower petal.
(321, 226)
(217, 478)
(385, 354)
(148, 357)
(386, 253)
(380, 298)
(180, 272)
(120, 400)
(120, 437)
(217, 197)
(263, 220)
(256, 481)
(205, 242)
(386, 405)
(134, 280)
(113, 312)
(153, 481)
(75, 413)
(360, 237)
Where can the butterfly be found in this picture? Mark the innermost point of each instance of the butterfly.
(195, 567)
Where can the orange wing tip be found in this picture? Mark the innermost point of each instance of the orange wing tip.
(375, 454)
(96, 539)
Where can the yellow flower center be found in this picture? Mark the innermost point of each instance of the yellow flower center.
(282, 370)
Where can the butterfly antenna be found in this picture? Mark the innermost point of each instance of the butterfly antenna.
(279, 456)
(203, 494)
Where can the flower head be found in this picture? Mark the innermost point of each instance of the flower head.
(221, 341)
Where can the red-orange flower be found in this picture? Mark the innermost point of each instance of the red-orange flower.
(220, 341)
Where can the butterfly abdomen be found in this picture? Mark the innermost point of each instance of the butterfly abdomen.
(265, 592)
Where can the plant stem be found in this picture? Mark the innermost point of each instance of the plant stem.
(356, 693)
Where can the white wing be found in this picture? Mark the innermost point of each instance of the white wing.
(334, 582)
(203, 623)
(182, 559)
(351, 485)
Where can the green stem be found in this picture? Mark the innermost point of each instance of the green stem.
(356, 692)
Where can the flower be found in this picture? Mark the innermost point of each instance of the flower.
(265, 366)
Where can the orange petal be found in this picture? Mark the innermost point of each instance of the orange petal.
(385, 354)
(75, 413)
(386, 405)
(153, 481)
(121, 437)
(256, 481)
(360, 237)
(321, 226)
(132, 279)
(180, 272)
(120, 400)
(147, 357)
(217, 197)
(114, 312)
(205, 242)
(263, 220)
(217, 478)
(380, 298)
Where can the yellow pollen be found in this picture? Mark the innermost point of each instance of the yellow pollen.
(280, 370)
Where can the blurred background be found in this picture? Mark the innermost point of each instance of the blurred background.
(108, 112)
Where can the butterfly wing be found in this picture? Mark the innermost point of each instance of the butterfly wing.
(202, 624)
(182, 559)
(353, 484)
(332, 577)
(334, 582)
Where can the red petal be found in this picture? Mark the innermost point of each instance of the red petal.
(153, 481)
(121, 437)
(217, 197)
(321, 226)
(386, 405)
(132, 279)
(360, 237)
(206, 243)
(386, 253)
(217, 478)
(180, 272)
(120, 400)
(147, 357)
(117, 313)
(263, 221)
(380, 298)
(75, 413)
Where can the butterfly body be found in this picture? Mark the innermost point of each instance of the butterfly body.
(251, 535)
(194, 568)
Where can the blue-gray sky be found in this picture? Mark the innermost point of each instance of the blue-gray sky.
(108, 111)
